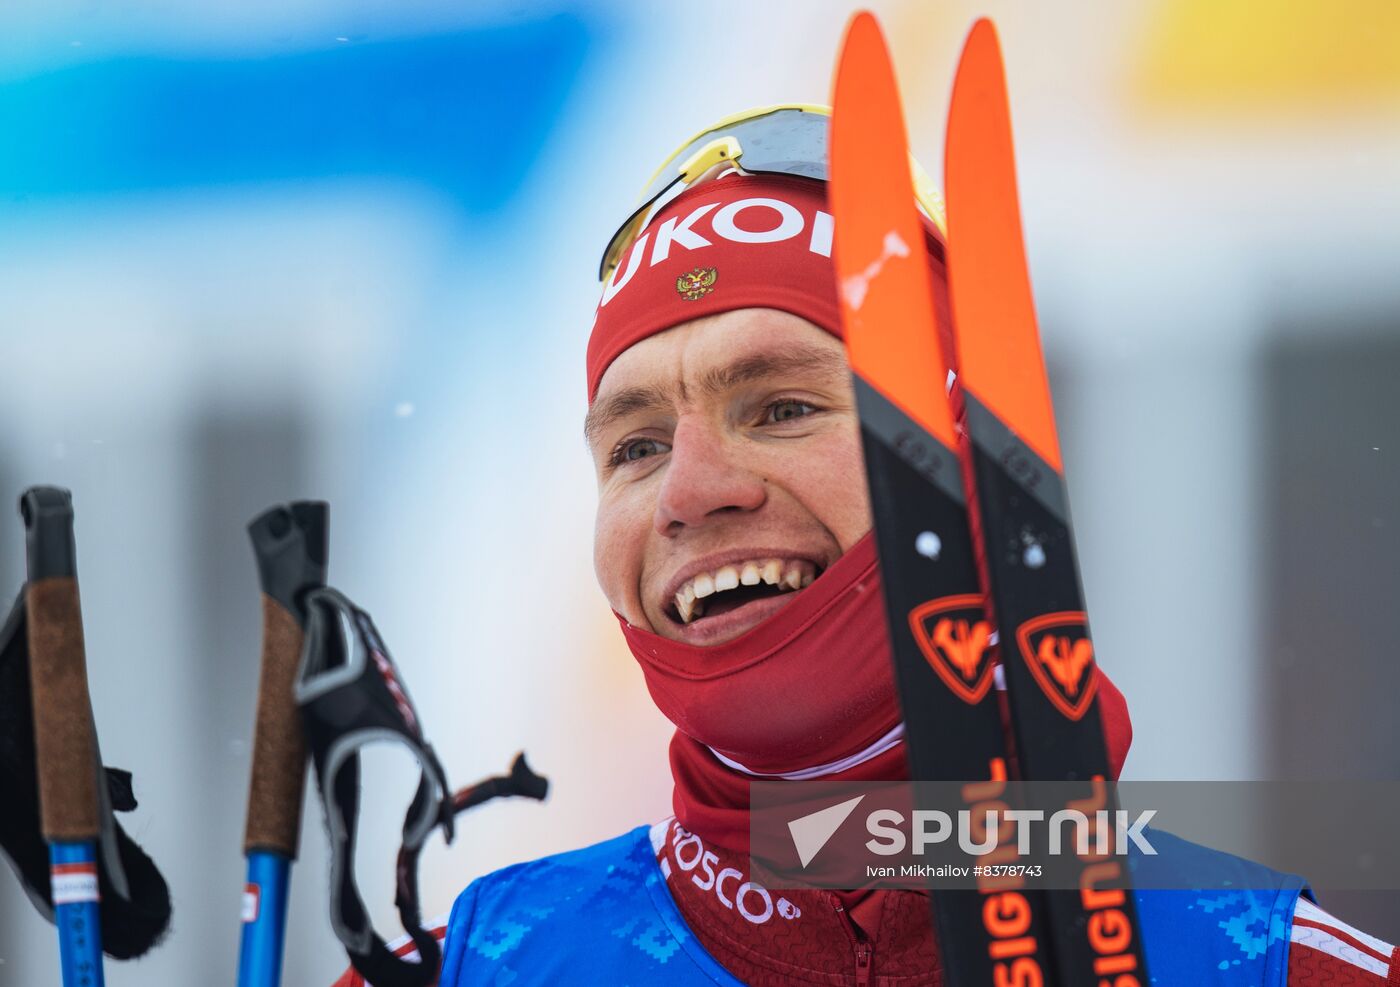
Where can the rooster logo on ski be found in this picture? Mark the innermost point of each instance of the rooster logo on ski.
(1057, 649)
(696, 284)
(953, 634)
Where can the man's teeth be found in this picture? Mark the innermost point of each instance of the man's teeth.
(685, 602)
(787, 575)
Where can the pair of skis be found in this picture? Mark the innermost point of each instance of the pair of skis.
(968, 493)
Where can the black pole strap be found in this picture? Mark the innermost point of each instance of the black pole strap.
(350, 695)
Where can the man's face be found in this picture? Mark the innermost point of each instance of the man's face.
(729, 472)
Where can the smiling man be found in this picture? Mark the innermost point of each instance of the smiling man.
(751, 413)
(733, 543)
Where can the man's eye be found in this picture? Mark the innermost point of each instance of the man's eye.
(635, 449)
(786, 411)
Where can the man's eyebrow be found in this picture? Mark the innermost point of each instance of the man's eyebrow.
(821, 361)
(621, 404)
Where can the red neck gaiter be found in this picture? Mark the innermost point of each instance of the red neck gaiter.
(811, 686)
(712, 799)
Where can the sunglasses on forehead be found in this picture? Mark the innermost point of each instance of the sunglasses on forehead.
(787, 139)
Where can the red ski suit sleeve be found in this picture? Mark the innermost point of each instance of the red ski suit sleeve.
(1325, 950)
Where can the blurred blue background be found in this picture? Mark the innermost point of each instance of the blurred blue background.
(259, 251)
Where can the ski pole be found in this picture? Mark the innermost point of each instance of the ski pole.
(64, 735)
(289, 544)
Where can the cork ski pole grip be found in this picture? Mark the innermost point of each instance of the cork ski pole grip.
(279, 752)
(290, 546)
(64, 737)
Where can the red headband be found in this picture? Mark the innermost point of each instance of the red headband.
(734, 242)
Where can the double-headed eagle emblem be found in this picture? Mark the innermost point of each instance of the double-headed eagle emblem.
(696, 284)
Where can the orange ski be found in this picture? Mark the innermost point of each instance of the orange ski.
(993, 287)
(934, 603)
(1020, 508)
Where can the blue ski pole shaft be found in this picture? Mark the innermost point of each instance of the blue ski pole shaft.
(264, 919)
(65, 738)
(289, 544)
(75, 901)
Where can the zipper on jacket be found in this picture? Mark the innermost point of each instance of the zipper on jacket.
(864, 961)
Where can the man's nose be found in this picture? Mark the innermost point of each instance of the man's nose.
(705, 477)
